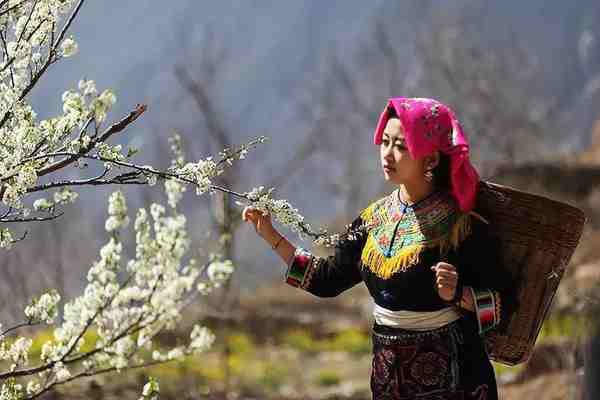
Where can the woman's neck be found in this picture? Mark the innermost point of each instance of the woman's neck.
(411, 194)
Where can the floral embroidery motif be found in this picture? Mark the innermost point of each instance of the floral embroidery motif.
(384, 240)
(429, 369)
(414, 365)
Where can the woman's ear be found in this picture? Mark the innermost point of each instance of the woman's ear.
(432, 161)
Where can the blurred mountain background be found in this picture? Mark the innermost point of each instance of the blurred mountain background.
(524, 77)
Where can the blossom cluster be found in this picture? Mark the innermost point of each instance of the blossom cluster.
(44, 308)
(282, 211)
(117, 211)
(32, 149)
(28, 30)
(151, 390)
(218, 272)
(35, 36)
(201, 173)
(126, 302)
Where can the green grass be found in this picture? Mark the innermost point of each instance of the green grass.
(328, 378)
(350, 340)
(562, 326)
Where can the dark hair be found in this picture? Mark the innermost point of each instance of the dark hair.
(441, 173)
(391, 111)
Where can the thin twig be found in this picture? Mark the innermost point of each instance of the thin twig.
(32, 219)
(122, 179)
(21, 325)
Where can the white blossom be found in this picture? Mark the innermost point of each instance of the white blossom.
(69, 47)
(17, 353)
(201, 173)
(219, 271)
(11, 390)
(87, 87)
(42, 204)
(65, 195)
(174, 191)
(33, 387)
(61, 372)
(117, 210)
(151, 390)
(202, 339)
(43, 309)
(6, 238)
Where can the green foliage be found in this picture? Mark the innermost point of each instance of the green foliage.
(562, 326)
(327, 378)
(272, 375)
(240, 343)
(350, 340)
(301, 340)
(501, 369)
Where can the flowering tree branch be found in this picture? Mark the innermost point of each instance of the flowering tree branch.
(126, 315)
(125, 303)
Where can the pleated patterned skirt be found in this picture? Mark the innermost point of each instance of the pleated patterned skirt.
(448, 363)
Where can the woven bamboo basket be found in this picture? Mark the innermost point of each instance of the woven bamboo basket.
(537, 237)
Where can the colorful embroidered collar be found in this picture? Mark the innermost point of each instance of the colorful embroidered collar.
(398, 233)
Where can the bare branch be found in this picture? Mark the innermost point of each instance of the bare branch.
(128, 178)
(202, 100)
(31, 219)
(21, 325)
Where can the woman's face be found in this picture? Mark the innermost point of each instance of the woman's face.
(398, 165)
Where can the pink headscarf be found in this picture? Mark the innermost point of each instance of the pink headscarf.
(429, 126)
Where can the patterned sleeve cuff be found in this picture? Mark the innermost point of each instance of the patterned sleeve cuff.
(487, 308)
(300, 269)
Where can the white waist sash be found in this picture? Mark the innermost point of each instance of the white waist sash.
(415, 320)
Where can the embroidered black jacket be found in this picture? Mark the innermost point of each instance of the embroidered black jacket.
(404, 252)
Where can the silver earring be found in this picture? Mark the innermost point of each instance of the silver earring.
(429, 175)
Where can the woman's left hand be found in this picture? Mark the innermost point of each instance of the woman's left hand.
(446, 280)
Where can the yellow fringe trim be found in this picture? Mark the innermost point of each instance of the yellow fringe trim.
(367, 213)
(385, 267)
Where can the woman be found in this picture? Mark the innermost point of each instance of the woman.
(425, 256)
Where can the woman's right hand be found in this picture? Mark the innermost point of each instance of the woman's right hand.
(262, 223)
